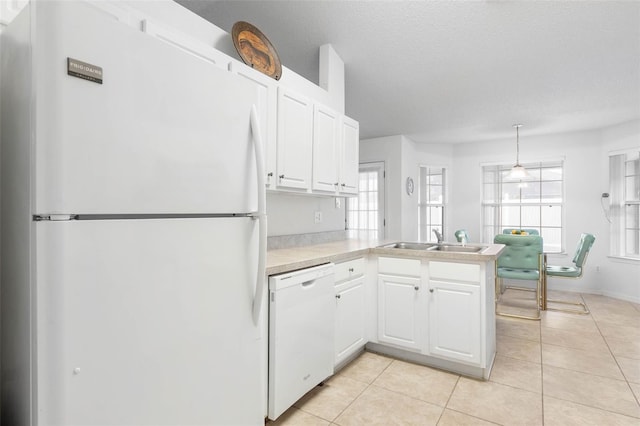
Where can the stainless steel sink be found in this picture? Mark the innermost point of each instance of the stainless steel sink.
(410, 246)
(456, 248)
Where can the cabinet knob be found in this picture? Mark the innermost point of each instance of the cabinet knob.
(336, 184)
(343, 185)
(430, 290)
(281, 176)
(270, 174)
(350, 269)
(337, 296)
(416, 288)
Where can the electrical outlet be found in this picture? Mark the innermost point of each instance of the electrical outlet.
(317, 217)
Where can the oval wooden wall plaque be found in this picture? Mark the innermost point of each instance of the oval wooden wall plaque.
(256, 50)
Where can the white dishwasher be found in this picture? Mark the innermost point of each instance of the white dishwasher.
(301, 334)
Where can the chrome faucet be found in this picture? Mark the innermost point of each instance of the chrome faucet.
(438, 235)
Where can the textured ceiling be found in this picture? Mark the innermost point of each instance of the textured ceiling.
(446, 72)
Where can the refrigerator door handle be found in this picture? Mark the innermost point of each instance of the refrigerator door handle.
(262, 216)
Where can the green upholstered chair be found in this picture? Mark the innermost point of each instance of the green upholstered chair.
(522, 259)
(529, 231)
(573, 271)
(462, 236)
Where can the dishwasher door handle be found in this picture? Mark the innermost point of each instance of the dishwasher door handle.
(309, 283)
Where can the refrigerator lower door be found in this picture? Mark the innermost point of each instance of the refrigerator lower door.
(148, 322)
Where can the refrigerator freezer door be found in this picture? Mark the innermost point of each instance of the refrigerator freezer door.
(148, 322)
(165, 131)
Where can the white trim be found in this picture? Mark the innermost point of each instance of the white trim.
(523, 162)
(623, 151)
(623, 259)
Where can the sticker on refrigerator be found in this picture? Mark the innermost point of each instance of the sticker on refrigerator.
(84, 70)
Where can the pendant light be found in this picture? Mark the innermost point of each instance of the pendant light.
(518, 172)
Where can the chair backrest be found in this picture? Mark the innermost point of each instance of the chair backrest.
(529, 231)
(584, 245)
(462, 234)
(521, 251)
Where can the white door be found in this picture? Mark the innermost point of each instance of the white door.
(295, 134)
(349, 156)
(267, 104)
(325, 149)
(399, 316)
(165, 132)
(350, 318)
(454, 321)
(148, 322)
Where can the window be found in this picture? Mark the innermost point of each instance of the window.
(431, 202)
(534, 203)
(624, 177)
(365, 213)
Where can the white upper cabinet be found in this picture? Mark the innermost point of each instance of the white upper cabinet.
(335, 152)
(326, 149)
(267, 105)
(294, 140)
(349, 156)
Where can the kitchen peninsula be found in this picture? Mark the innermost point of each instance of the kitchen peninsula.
(430, 306)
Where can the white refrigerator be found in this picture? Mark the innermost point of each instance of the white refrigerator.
(133, 229)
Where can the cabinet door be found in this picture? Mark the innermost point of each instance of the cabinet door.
(294, 140)
(267, 108)
(399, 314)
(454, 321)
(325, 149)
(350, 318)
(349, 156)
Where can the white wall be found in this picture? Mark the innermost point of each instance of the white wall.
(585, 179)
(402, 158)
(582, 184)
(289, 214)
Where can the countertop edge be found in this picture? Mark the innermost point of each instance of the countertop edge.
(308, 256)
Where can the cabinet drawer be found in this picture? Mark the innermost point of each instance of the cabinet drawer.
(397, 266)
(454, 271)
(349, 269)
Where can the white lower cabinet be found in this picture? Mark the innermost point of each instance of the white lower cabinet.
(439, 312)
(350, 325)
(350, 319)
(454, 321)
(399, 313)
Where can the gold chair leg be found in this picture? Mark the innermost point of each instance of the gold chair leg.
(583, 311)
(504, 314)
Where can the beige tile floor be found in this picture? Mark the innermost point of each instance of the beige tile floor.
(565, 369)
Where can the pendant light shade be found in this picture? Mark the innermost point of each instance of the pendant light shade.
(518, 172)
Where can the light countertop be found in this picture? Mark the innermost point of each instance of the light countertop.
(290, 259)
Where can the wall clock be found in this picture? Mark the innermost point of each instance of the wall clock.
(409, 186)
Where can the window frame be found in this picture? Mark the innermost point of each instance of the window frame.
(619, 201)
(424, 189)
(379, 233)
(492, 207)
